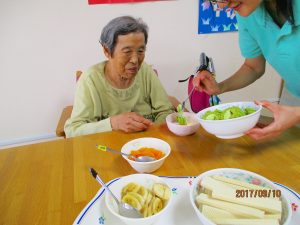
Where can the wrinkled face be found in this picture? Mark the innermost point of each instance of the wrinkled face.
(242, 7)
(128, 55)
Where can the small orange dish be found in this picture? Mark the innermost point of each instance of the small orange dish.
(145, 151)
(146, 142)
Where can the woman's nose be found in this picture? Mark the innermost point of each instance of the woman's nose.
(134, 58)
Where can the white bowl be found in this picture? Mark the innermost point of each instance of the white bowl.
(147, 180)
(146, 167)
(183, 130)
(242, 175)
(230, 128)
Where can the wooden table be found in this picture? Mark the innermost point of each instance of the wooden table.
(49, 183)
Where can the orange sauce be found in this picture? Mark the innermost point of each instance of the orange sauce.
(152, 152)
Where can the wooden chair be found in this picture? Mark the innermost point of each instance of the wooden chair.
(67, 111)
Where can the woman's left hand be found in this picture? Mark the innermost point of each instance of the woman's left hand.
(284, 118)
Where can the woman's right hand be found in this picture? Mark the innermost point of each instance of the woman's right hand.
(204, 81)
(129, 122)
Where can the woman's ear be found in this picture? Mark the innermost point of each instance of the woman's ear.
(106, 52)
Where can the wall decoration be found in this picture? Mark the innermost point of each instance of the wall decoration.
(213, 19)
(92, 2)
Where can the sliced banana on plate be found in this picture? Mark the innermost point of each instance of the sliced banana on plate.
(131, 187)
(149, 198)
(150, 207)
(143, 192)
(157, 205)
(131, 199)
(162, 191)
(137, 196)
(148, 202)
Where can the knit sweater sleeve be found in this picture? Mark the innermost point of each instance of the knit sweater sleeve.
(84, 119)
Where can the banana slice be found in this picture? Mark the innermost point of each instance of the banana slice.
(162, 191)
(146, 201)
(149, 198)
(149, 207)
(143, 192)
(144, 210)
(132, 200)
(131, 187)
(137, 196)
(157, 205)
(149, 211)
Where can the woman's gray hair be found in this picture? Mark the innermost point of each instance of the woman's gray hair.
(121, 26)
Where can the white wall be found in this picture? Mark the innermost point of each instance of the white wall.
(43, 43)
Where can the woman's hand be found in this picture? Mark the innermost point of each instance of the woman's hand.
(129, 122)
(204, 81)
(284, 118)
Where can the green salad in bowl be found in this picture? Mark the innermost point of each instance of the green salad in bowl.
(228, 113)
(229, 120)
(181, 119)
(182, 123)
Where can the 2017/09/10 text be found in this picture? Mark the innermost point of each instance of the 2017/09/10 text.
(262, 193)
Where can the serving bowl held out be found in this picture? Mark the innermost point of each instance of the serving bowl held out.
(183, 130)
(240, 175)
(148, 142)
(230, 128)
(147, 181)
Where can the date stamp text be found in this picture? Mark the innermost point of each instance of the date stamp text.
(257, 193)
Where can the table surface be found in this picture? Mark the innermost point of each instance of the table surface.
(49, 183)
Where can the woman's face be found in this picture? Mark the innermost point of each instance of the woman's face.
(128, 55)
(242, 7)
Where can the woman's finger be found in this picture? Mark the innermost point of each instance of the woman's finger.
(268, 105)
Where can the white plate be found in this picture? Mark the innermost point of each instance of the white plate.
(96, 213)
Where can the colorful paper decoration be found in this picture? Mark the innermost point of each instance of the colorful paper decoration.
(213, 19)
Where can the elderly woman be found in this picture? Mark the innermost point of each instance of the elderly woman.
(122, 93)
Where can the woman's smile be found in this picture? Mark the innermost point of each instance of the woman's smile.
(236, 7)
(132, 70)
(244, 7)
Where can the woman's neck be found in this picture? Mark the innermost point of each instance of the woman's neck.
(115, 79)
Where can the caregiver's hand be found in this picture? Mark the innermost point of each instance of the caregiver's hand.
(204, 81)
(284, 118)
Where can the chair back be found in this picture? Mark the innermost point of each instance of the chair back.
(78, 74)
